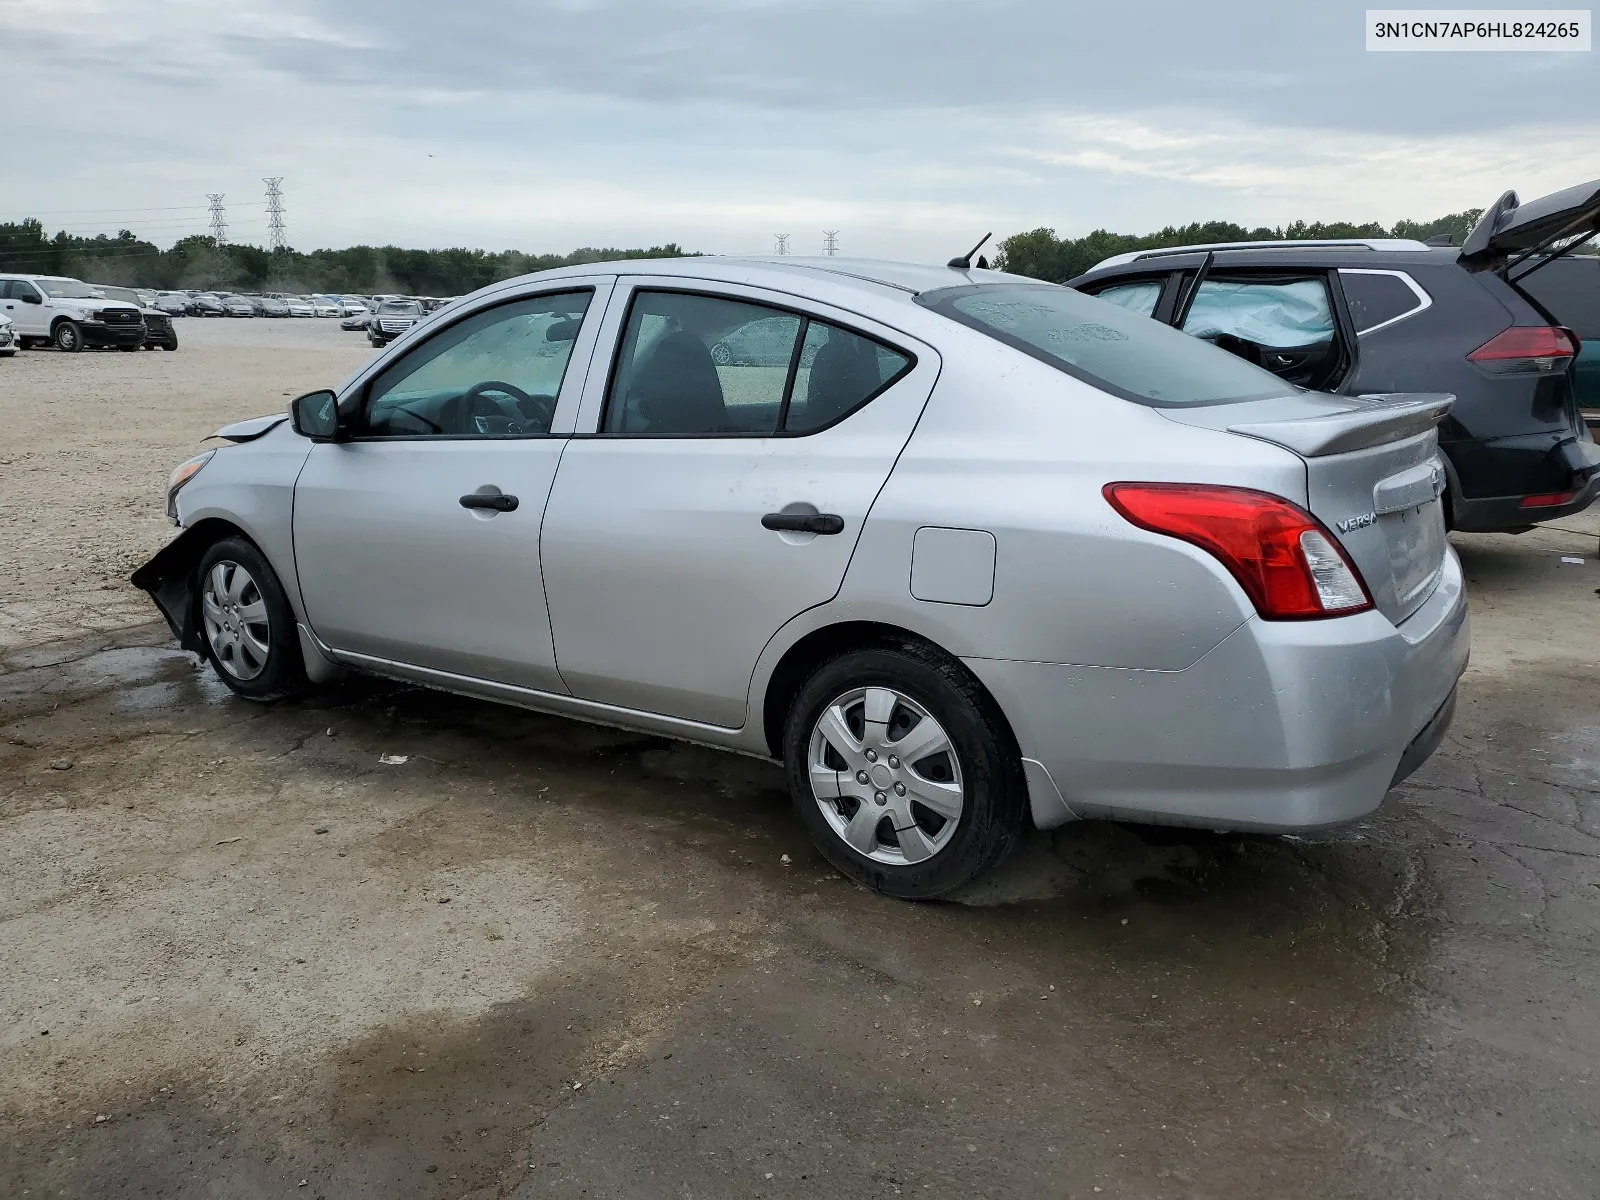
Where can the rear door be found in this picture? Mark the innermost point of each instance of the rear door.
(720, 494)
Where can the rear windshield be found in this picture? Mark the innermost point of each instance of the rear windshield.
(1101, 343)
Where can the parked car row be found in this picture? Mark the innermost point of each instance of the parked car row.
(272, 304)
(70, 314)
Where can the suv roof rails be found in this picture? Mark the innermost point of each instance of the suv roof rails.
(1403, 244)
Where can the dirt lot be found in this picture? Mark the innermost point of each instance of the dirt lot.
(244, 957)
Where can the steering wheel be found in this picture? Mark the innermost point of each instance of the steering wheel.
(536, 410)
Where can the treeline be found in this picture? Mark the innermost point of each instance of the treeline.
(1045, 256)
(196, 263)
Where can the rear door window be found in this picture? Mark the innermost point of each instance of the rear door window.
(1283, 324)
(1105, 344)
(693, 365)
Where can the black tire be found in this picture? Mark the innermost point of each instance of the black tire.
(129, 349)
(67, 336)
(995, 790)
(171, 343)
(283, 673)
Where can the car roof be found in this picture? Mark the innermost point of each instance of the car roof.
(783, 272)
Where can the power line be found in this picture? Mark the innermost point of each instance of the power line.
(830, 242)
(219, 219)
(275, 238)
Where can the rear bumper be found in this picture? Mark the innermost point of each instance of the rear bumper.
(1283, 726)
(1579, 462)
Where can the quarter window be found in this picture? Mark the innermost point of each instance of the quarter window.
(497, 373)
(1378, 297)
(708, 366)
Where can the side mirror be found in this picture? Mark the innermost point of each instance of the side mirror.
(31, 298)
(316, 416)
(563, 330)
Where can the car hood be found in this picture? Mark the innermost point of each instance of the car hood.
(248, 431)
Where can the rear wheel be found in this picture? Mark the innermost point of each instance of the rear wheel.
(246, 623)
(903, 770)
(68, 337)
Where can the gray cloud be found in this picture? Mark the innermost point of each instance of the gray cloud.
(911, 124)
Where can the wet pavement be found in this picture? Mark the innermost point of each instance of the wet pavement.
(542, 959)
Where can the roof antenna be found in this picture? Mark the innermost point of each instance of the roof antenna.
(964, 263)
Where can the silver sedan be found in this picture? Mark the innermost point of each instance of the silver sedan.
(964, 551)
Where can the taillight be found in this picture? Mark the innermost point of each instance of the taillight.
(1288, 563)
(1527, 350)
(1548, 499)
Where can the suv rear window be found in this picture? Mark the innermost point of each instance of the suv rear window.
(1106, 345)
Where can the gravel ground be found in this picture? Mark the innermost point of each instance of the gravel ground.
(88, 440)
(246, 957)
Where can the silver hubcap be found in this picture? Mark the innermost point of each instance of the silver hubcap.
(885, 776)
(236, 620)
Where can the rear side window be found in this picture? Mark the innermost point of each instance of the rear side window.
(1295, 313)
(692, 365)
(1106, 345)
(1135, 297)
(1380, 297)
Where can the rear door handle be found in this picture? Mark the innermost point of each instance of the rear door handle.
(804, 522)
(495, 501)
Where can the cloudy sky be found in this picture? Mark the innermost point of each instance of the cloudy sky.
(911, 126)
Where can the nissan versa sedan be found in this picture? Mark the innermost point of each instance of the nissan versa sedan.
(977, 551)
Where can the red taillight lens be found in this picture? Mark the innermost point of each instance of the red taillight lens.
(1527, 349)
(1288, 563)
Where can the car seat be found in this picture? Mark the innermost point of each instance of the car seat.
(677, 390)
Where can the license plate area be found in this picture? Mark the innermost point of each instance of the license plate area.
(1416, 541)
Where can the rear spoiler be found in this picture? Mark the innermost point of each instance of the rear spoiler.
(1379, 420)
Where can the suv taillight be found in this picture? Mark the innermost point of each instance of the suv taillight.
(1288, 563)
(1527, 350)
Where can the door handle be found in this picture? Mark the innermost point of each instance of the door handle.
(804, 522)
(494, 500)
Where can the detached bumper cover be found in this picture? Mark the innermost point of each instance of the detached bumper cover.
(169, 579)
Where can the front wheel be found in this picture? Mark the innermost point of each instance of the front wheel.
(246, 623)
(171, 343)
(68, 337)
(904, 770)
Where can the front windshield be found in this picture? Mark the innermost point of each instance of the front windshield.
(1129, 355)
(401, 307)
(69, 289)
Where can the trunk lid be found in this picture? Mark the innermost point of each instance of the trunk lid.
(1373, 477)
(1510, 228)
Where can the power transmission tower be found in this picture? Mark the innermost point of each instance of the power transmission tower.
(219, 220)
(275, 238)
(830, 242)
(783, 242)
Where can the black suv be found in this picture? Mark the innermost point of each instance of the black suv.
(158, 329)
(1387, 315)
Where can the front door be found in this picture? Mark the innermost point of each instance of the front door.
(417, 538)
(740, 447)
(24, 304)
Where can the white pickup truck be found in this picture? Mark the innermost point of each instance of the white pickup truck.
(69, 313)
